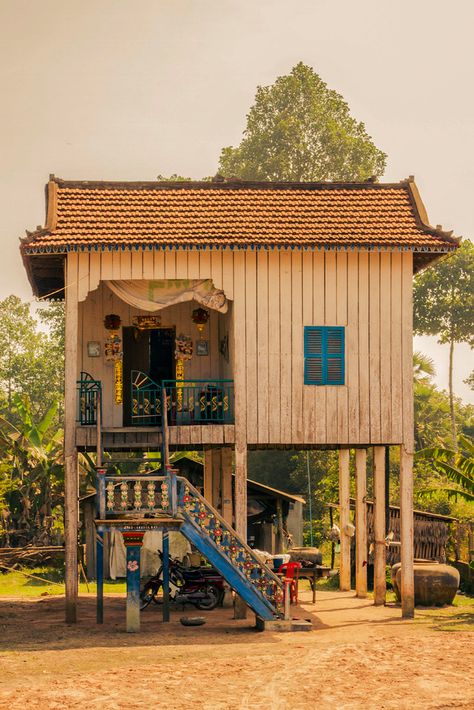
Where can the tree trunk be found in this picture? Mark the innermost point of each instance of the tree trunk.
(451, 395)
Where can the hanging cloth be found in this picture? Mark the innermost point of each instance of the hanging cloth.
(155, 295)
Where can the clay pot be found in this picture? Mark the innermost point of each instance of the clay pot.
(306, 554)
(435, 584)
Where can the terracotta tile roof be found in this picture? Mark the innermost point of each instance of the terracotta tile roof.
(110, 215)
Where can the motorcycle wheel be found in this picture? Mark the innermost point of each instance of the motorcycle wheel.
(212, 598)
(148, 595)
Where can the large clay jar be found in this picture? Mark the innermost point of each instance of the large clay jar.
(309, 555)
(435, 584)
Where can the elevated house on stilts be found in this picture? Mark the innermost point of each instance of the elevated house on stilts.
(229, 316)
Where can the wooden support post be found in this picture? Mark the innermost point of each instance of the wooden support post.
(380, 555)
(241, 491)
(361, 523)
(166, 575)
(133, 542)
(71, 482)
(280, 535)
(227, 508)
(240, 608)
(226, 485)
(344, 521)
(406, 534)
(216, 479)
(99, 576)
(207, 483)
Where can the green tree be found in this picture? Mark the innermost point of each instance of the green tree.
(31, 473)
(443, 305)
(31, 361)
(299, 129)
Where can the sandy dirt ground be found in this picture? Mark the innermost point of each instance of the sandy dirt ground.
(357, 656)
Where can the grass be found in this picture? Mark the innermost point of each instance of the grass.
(16, 584)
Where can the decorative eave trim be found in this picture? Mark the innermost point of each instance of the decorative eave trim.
(147, 246)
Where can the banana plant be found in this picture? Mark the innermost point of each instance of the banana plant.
(456, 466)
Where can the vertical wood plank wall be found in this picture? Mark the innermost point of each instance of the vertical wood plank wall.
(273, 295)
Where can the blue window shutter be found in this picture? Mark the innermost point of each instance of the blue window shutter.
(313, 355)
(334, 356)
(323, 355)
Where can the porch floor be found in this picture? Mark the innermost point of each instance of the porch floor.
(136, 438)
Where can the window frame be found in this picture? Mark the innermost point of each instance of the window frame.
(324, 356)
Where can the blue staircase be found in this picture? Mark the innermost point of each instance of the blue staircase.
(141, 501)
(253, 581)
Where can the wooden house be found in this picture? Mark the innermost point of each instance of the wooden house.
(270, 314)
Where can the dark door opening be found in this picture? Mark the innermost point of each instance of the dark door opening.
(152, 352)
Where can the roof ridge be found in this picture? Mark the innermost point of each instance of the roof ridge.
(228, 184)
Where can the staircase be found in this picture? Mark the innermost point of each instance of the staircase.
(202, 525)
(140, 501)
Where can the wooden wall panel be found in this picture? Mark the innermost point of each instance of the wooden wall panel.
(285, 346)
(330, 318)
(407, 350)
(319, 394)
(396, 348)
(385, 353)
(341, 319)
(297, 357)
(251, 367)
(274, 391)
(374, 346)
(352, 347)
(363, 326)
(262, 345)
(309, 421)
(277, 293)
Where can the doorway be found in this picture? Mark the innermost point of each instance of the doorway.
(152, 352)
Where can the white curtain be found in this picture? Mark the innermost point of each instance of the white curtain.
(149, 560)
(155, 295)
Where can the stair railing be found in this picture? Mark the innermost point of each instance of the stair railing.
(193, 506)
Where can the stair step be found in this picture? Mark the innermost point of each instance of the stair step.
(280, 625)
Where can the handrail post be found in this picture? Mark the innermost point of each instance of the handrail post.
(100, 506)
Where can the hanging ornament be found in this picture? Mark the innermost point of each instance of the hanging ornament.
(112, 322)
(200, 317)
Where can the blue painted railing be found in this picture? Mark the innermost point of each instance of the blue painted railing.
(200, 401)
(88, 399)
(188, 401)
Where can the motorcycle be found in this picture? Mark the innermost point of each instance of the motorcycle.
(201, 586)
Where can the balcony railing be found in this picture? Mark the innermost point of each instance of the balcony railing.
(200, 401)
(89, 391)
(188, 401)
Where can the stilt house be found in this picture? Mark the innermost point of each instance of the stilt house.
(230, 316)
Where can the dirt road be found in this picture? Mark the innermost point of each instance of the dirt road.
(357, 656)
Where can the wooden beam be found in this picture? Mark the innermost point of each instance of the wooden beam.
(71, 489)
(344, 521)
(361, 523)
(406, 533)
(380, 586)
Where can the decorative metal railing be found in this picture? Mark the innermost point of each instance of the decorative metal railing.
(193, 506)
(188, 401)
(89, 399)
(146, 400)
(200, 401)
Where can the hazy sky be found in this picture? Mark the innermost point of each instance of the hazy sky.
(122, 90)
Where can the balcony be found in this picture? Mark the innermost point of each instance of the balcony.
(197, 412)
